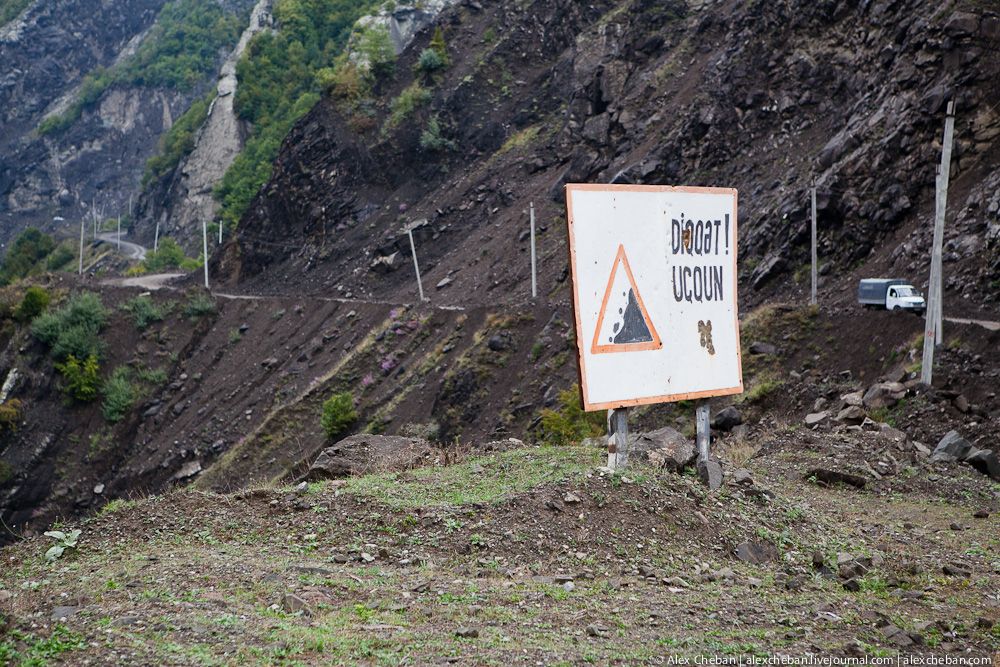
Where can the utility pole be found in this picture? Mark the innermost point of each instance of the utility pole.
(80, 271)
(221, 225)
(933, 334)
(416, 266)
(156, 237)
(812, 298)
(534, 273)
(618, 438)
(119, 231)
(204, 249)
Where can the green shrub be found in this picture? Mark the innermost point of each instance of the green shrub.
(119, 395)
(83, 379)
(431, 138)
(570, 424)
(198, 305)
(439, 46)
(144, 311)
(6, 474)
(168, 255)
(74, 328)
(63, 255)
(375, 46)
(152, 376)
(36, 300)
(430, 61)
(338, 414)
(25, 254)
(412, 97)
(10, 415)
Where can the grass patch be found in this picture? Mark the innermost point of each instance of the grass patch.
(480, 480)
(569, 424)
(144, 311)
(519, 139)
(199, 305)
(412, 97)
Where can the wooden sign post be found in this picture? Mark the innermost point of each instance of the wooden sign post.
(654, 287)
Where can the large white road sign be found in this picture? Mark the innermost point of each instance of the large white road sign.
(654, 289)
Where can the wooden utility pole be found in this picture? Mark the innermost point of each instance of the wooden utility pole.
(618, 438)
(933, 334)
(812, 298)
(204, 249)
(82, 228)
(534, 275)
(416, 266)
(119, 231)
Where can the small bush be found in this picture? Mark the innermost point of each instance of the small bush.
(10, 415)
(119, 395)
(25, 255)
(338, 414)
(6, 474)
(74, 328)
(153, 376)
(199, 305)
(144, 311)
(430, 61)
(431, 138)
(83, 379)
(412, 97)
(570, 424)
(168, 255)
(60, 257)
(375, 46)
(35, 301)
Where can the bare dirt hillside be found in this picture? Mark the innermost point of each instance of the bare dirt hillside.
(766, 97)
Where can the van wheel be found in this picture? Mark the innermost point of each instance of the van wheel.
(895, 308)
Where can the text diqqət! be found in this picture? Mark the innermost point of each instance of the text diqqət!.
(698, 237)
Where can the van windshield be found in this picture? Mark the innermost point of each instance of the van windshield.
(906, 291)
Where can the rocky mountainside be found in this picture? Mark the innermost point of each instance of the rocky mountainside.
(495, 105)
(764, 96)
(88, 90)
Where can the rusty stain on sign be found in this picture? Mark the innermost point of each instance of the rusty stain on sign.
(705, 331)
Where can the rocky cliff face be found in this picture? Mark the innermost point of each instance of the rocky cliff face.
(763, 96)
(97, 162)
(186, 199)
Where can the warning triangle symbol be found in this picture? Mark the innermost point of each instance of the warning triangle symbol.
(623, 324)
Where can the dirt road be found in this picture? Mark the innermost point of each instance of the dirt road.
(130, 250)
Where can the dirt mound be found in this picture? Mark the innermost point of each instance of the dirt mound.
(527, 555)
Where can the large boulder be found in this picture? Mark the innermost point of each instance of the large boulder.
(952, 447)
(985, 461)
(883, 395)
(814, 418)
(852, 415)
(727, 418)
(666, 448)
(364, 453)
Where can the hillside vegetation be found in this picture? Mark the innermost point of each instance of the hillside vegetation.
(278, 85)
(181, 49)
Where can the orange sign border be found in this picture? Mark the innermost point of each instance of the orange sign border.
(654, 344)
(571, 246)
